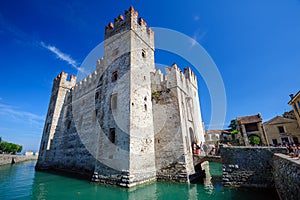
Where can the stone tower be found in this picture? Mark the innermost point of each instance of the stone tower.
(125, 113)
(59, 90)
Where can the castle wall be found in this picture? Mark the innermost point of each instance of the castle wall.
(176, 121)
(113, 109)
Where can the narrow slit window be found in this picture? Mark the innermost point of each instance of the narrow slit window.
(95, 115)
(43, 147)
(96, 95)
(80, 122)
(69, 125)
(114, 101)
(112, 135)
(47, 127)
(143, 53)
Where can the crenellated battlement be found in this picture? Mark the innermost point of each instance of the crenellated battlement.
(61, 80)
(88, 83)
(80, 88)
(189, 74)
(174, 77)
(100, 65)
(130, 21)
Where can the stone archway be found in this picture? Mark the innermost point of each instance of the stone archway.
(254, 141)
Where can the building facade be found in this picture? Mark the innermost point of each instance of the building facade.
(295, 103)
(126, 123)
(282, 130)
(212, 137)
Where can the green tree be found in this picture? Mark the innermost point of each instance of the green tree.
(19, 148)
(2, 146)
(254, 140)
(233, 127)
(9, 147)
(14, 148)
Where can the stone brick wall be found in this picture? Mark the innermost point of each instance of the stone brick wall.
(248, 166)
(286, 176)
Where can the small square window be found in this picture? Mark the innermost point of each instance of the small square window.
(280, 129)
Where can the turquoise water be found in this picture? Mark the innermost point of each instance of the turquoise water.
(21, 181)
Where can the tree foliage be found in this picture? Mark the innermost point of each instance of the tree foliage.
(9, 147)
(253, 139)
(233, 127)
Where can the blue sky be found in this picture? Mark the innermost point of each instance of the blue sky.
(255, 45)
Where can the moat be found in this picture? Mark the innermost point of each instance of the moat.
(21, 181)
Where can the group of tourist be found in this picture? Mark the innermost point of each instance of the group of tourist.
(204, 149)
(293, 150)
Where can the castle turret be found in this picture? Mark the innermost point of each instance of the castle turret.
(60, 87)
(126, 86)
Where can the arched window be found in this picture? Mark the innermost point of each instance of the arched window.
(114, 76)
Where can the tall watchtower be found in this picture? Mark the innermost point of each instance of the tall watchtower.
(127, 138)
(59, 90)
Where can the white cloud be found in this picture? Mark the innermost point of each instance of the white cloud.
(63, 56)
(60, 55)
(197, 37)
(11, 112)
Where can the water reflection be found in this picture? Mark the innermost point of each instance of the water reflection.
(50, 186)
(207, 181)
(21, 181)
(16, 180)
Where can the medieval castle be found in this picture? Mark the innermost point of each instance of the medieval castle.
(126, 123)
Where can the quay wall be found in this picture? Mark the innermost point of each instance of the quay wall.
(286, 176)
(7, 159)
(248, 166)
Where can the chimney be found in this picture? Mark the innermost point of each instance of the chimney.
(292, 96)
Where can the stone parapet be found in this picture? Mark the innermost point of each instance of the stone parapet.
(248, 166)
(286, 176)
